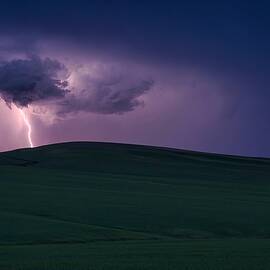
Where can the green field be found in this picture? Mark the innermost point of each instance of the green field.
(115, 206)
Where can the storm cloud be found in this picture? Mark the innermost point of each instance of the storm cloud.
(25, 81)
(114, 96)
(41, 81)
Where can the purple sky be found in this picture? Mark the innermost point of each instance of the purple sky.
(185, 76)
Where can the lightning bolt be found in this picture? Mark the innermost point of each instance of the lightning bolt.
(28, 125)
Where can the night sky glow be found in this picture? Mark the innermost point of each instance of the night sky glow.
(192, 75)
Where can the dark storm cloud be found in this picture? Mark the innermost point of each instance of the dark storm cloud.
(25, 81)
(106, 97)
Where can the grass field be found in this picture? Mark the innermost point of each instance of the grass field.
(115, 206)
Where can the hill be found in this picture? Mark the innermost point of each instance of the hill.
(116, 206)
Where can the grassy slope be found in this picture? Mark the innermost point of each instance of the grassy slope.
(168, 206)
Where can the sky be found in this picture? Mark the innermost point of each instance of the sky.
(191, 75)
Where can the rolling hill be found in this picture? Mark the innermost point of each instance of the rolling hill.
(115, 206)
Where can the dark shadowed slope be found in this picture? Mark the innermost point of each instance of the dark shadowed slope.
(95, 193)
